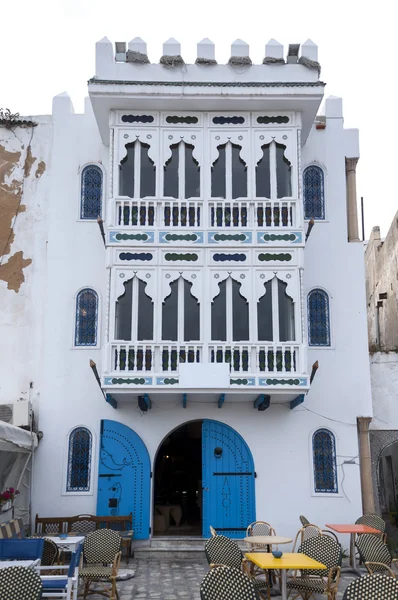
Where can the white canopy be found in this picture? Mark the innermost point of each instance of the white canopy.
(16, 450)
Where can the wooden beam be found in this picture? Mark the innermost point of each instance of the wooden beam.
(221, 400)
(298, 400)
(111, 400)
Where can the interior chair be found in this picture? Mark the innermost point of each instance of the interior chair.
(66, 584)
(306, 533)
(101, 561)
(373, 521)
(327, 551)
(50, 553)
(20, 583)
(376, 554)
(372, 586)
(227, 583)
(222, 551)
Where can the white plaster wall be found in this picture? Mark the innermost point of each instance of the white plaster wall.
(384, 376)
(21, 314)
(279, 439)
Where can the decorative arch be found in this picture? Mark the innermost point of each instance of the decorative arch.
(314, 193)
(91, 192)
(80, 444)
(318, 314)
(86, 322)
(324, 461)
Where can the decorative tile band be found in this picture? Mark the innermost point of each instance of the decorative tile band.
(139, 236)
(274, 257)
(228, 257)
(127, 381)
(166, 381)
(171, 256)
(247, 381)
(297, 381)
(141, 256)
(216, 238)
(165, 237)
(295, 237)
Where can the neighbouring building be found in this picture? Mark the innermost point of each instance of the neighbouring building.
(164, 309)
(381, 259)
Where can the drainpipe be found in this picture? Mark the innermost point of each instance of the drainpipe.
(365, 465)
(352, 211)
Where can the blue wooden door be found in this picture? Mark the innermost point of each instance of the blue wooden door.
(228, 481)
(124, 476)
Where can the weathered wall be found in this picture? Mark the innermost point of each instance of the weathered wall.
(381, 261)
(24, 163)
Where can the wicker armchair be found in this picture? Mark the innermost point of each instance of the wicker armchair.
(376, 555)
(319, 581)
(372, 586)
(373, 521)
(222, 551)
(227, 583)
(101, 553)
(306, 533)
(50, 553)
(17, 583)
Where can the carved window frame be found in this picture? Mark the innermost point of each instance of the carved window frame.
(320, 169)
(67, 489)
(319, 464)
(327, 317)
(82, 171)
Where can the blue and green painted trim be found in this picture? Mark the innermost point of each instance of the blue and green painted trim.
(121, 237)
(169, 237)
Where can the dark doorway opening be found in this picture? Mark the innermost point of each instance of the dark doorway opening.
(178, 483)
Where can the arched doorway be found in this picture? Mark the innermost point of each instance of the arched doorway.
(124, 476)
(204, 476)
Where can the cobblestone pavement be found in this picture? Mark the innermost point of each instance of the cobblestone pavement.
(176, 580)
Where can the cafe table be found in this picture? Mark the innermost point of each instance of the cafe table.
(289, 560)
(266, 540)
(4, 564)
(353, 530)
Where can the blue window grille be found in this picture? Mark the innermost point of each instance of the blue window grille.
(318, 318)
(314, 195)
(91, 192)
(79, 460)
(86, 318)
(324, 457)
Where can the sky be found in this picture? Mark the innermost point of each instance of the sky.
(357, 49)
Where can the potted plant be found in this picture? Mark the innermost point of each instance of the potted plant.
(7, 498)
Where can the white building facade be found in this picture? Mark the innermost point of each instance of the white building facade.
(202, 308)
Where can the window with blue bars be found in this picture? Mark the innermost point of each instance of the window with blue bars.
(314, 193)
(318, 318)
(91, 192)
(86, 318)
(324, 458)
(79, 460)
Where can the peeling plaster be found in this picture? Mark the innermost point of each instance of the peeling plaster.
(12, 177)
(12, 271)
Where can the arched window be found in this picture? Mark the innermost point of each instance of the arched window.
(318, 318)
(79, 460)
(314, 193)
(91, 192)
(324, 458)
(86, 318)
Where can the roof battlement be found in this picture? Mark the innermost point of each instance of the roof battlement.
(129, 62)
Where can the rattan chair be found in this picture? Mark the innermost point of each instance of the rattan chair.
(222, 551)
(260, 528)
(50, 553)
(372, 587)
(376, 554)
(319, 581)
(20, 583)
(227, 583)
(373, 521)
(101, 554)
(306, 533)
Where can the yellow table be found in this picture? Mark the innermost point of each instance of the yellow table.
(289, 560)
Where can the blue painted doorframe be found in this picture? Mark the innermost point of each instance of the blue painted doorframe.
(228, 481)
(124, 476)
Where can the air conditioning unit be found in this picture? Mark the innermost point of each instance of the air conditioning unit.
(18, 413)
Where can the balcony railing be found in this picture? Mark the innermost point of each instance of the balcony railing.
(242, 358)
(211, 214)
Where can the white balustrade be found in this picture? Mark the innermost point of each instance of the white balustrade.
(242, 358)
(213, 214)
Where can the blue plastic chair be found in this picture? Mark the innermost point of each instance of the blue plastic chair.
(24, 549)
(62, 586)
